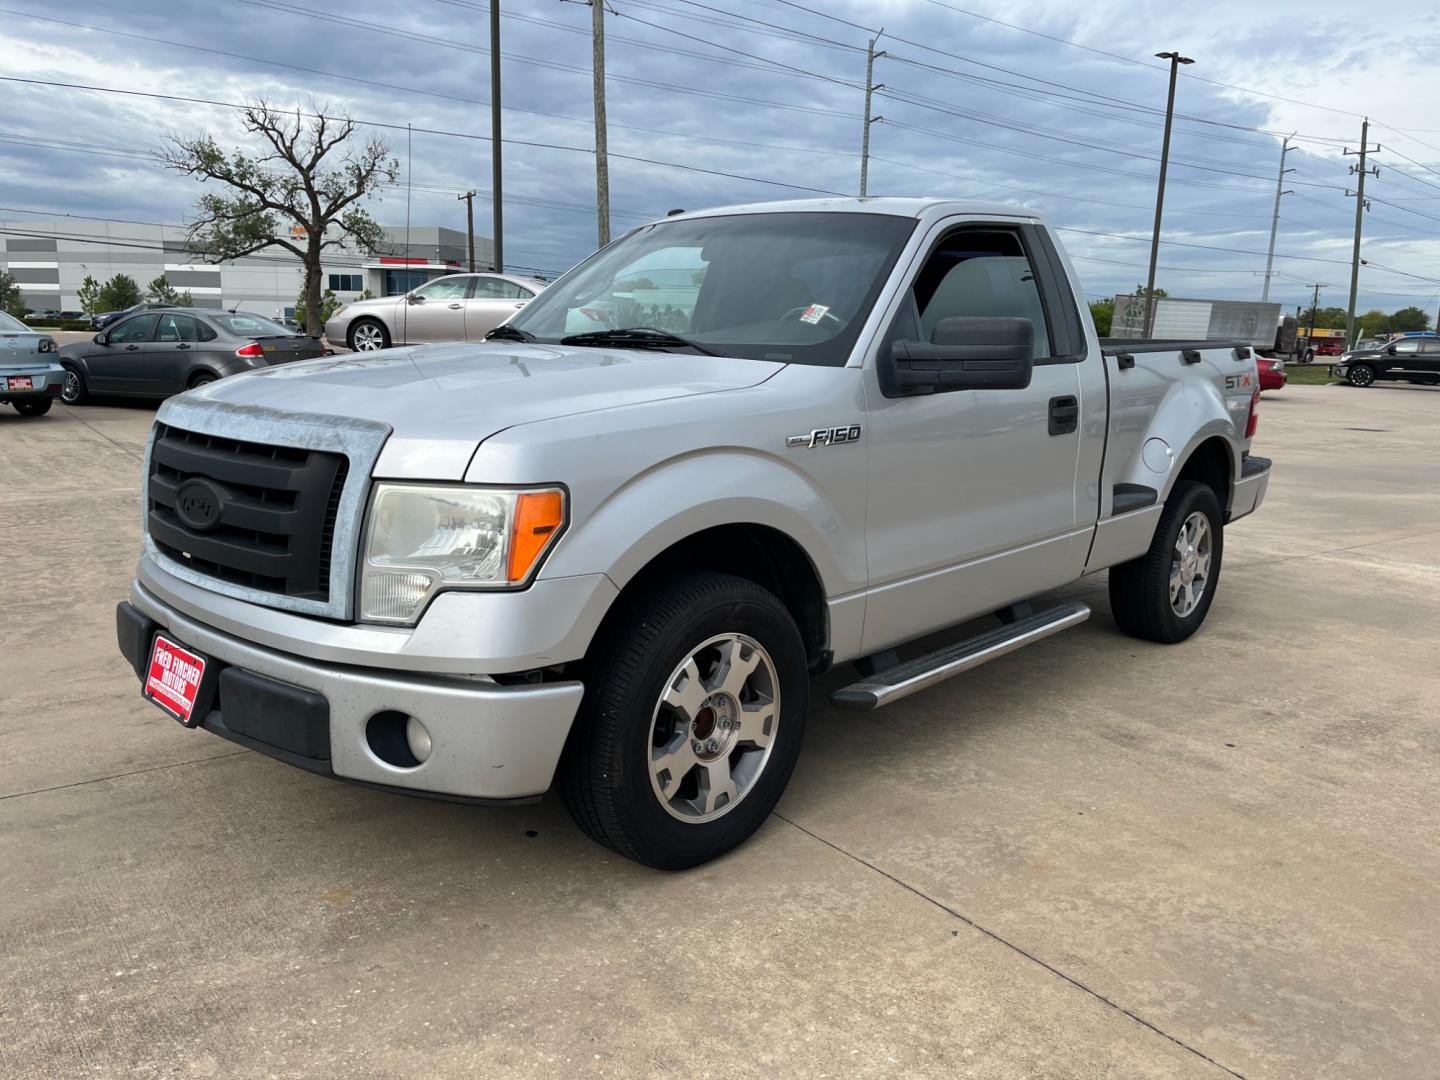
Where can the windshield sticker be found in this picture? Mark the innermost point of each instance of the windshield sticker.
(814, 313)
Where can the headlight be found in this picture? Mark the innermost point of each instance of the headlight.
(421, 539)
(337, 311)
(1279, 365)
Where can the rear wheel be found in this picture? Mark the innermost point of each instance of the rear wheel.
(1361, 375)
(73, 390)
(1166, 593)
(691, 724)
(202, 378)
(32, 408)
(368, 335)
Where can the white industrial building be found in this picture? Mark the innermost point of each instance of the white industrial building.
(51, 257)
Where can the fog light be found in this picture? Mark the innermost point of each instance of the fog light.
(417, 738)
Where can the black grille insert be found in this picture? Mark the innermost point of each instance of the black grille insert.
(276, 521)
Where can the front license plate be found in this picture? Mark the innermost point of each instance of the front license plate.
(173, 681)
(20, 382)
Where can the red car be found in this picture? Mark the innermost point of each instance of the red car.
(1272, 373)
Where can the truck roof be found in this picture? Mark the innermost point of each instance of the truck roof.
(889, 205)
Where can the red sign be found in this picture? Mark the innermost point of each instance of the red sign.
(21, 382)
(174, 679)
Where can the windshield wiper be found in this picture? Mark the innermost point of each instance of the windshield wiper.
(509, 333)
(637, 337)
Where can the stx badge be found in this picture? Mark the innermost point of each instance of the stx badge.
(831, 436)
(1237, 382)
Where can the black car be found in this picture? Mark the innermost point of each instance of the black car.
(159, 353)
(1408, 359)
(105, 318)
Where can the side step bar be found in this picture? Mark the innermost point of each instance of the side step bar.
(902, 680)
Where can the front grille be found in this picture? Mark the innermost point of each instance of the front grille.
(277, 511)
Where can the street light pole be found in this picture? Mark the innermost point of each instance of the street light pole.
(497, 201)
(1175, 61)
(1275, 220)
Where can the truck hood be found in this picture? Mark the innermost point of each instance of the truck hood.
(441, 401)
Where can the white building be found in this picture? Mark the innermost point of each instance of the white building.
(51, 257)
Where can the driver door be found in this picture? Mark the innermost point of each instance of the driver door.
(972, 498)
(436, 310)
(121, 365)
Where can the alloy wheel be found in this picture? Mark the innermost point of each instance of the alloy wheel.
(713, 728)
(70, 389)
(1190, 564)
(368, 338)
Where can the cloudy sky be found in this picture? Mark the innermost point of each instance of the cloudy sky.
(1054, 106)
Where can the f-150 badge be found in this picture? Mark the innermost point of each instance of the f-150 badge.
(826, 436)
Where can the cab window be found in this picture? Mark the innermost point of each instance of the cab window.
(1406, 346)
(445, 288)
(976, 272)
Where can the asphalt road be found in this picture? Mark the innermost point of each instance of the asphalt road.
(1096, 857)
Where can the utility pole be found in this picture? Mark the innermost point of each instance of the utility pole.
(602, 159)
(1314, 304)
(1275, 221)
(870, 88)
(469, 200)
(1175, 61)
(497, 200)
(1361, 205)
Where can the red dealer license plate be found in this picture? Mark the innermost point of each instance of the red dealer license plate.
(173, 681)
(21, 382)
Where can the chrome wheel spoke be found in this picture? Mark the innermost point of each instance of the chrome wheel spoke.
(674, 761)
(717, 786)
(757, 724)
(687, 692)
(737, 662)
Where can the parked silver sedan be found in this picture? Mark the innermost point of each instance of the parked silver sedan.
(456, 307)
(30, 376)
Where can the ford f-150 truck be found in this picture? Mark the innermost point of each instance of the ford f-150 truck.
(806, 434)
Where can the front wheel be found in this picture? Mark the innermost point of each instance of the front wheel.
(73, 390)
(692, 720)
(1165, 594)
(1361, 375)
(368, 335)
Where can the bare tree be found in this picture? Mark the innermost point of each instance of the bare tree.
(301, 179)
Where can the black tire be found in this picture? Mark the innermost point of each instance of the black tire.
(201, 378)
(1140, 589)
(32, 408)
(1361, 375)
(606, 773)
(372, 323)
(74, 392)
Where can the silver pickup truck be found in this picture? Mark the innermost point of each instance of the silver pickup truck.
(788, 437)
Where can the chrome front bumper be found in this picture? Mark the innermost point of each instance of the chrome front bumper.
(488, 741)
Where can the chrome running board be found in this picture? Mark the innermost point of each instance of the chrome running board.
(902, 680)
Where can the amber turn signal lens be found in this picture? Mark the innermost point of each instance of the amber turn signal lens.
(538, 517)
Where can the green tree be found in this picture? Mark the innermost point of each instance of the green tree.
(300, 193)
(1140, 290)
(119, 293)
(1103, 312)
(89, 296)
(1326, 318)
(162, 292)
(12, 300)
(1373, 323)
(329, 304)
(1410, 318)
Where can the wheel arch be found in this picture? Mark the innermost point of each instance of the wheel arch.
(758, 553)
(1212, 461)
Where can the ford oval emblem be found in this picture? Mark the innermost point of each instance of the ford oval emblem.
(198, 504)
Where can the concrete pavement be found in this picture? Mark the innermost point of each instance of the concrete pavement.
(1097, 857)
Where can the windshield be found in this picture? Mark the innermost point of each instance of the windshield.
(10, 324)
(789, 287)
(252, 326)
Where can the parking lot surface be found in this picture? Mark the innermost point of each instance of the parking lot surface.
(1095, 857)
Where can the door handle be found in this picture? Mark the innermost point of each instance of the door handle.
(1064, 414)
(131, 348)
(455, 307)
(182, 345)
(520, 305)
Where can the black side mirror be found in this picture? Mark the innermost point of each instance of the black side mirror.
(415, 299)
(964, 353)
